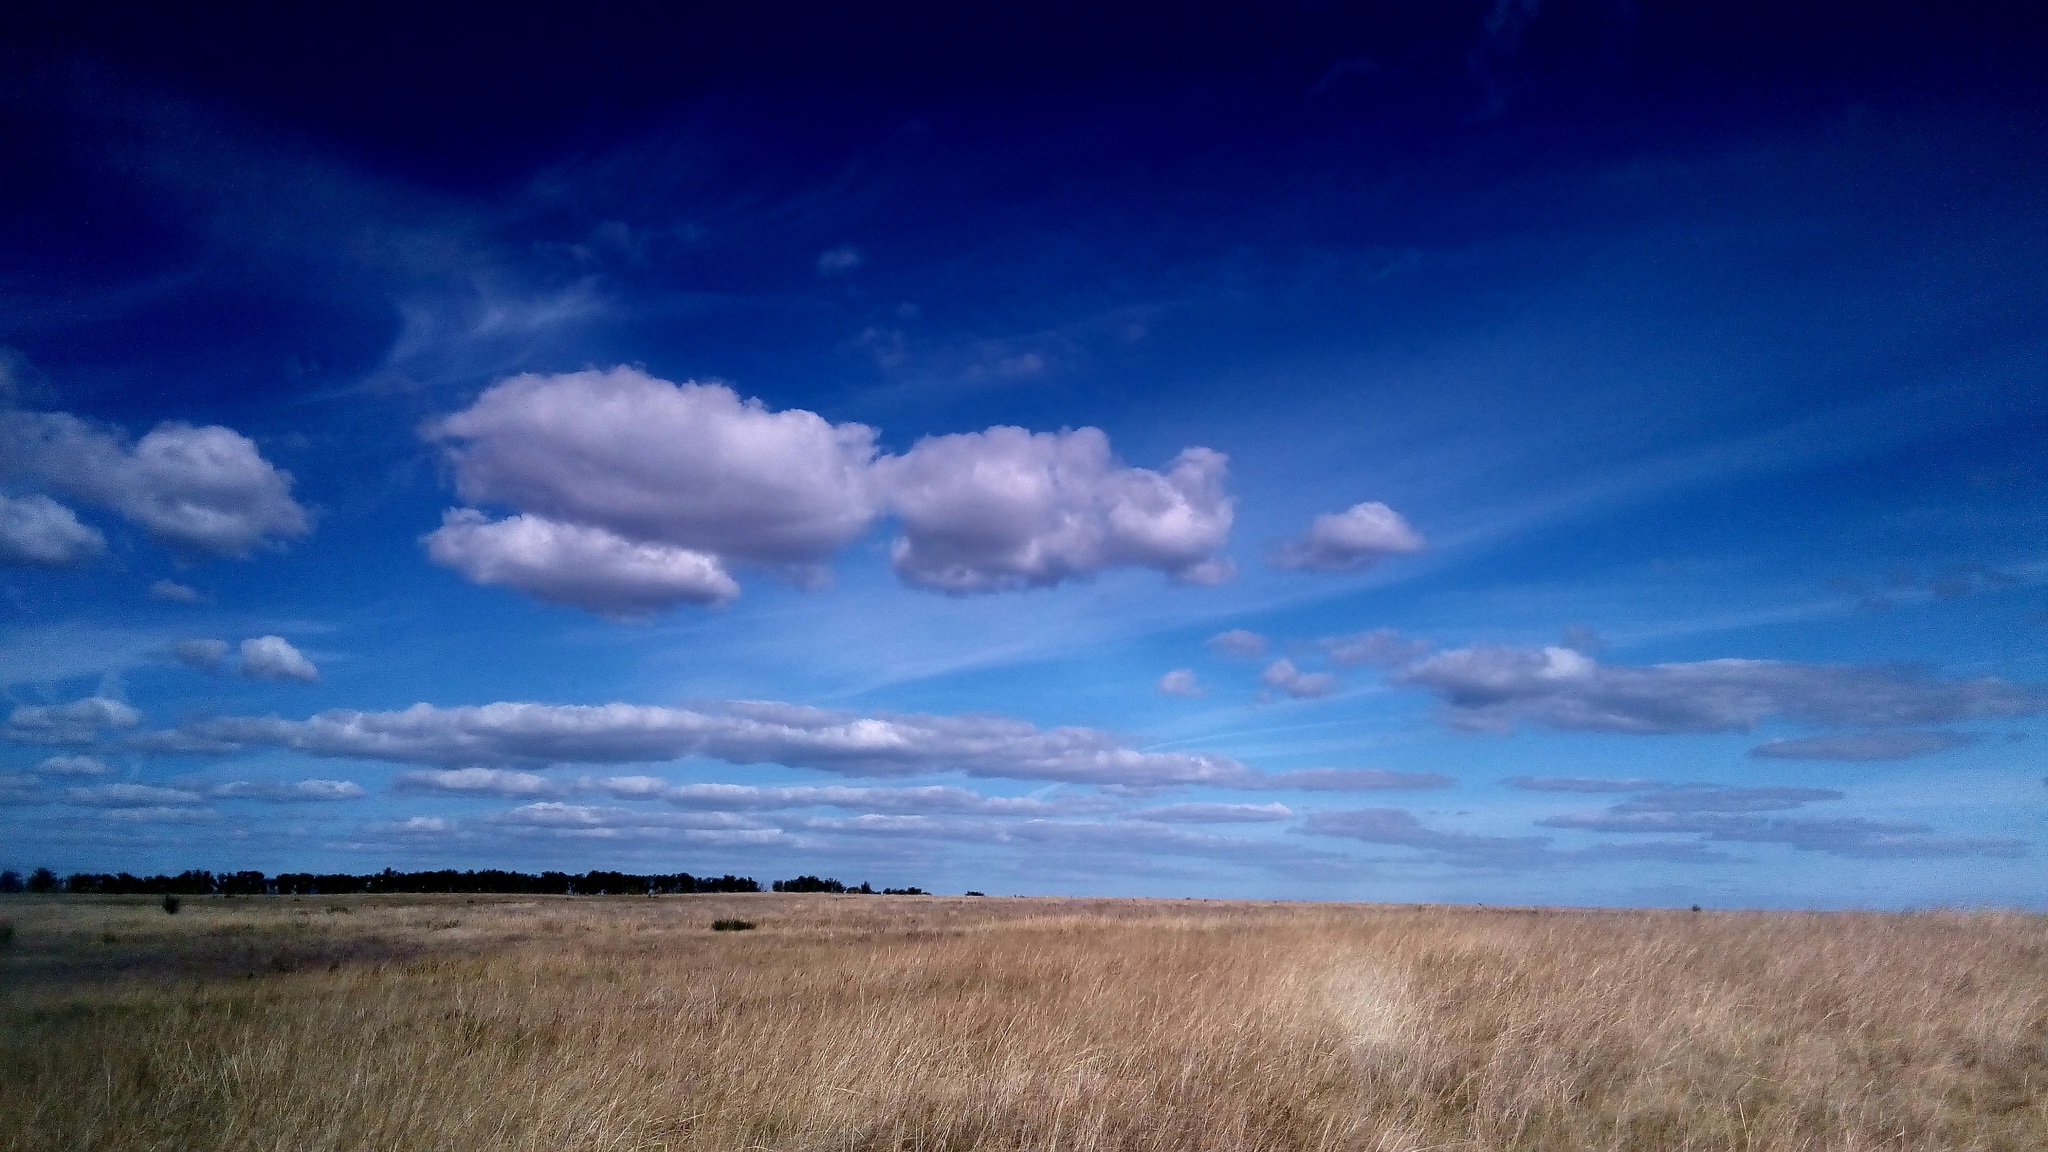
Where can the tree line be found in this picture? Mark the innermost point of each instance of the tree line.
(446, 880)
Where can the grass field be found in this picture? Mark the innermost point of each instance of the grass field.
(927, 1023)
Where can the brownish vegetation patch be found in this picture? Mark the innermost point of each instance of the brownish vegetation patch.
(925, 1023)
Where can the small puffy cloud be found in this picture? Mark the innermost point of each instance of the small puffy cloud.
(78, 722)
(578, 565)
(1492, 689)
(280, 792)
(203, 491)
(837, 261)
(1282, 674)
(1006, 509)
(1347, 541)
(1580, 784)
(274, 658)
(1864, 746)
(1215, 813)
(38, 532)
(1381, 646)
(1350, 780)
(1180, 682)
(499, 782)
(205, 654)
(73, 766)
(172, 592)
(1238, 642)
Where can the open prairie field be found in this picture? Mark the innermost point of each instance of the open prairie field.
(845, 1022)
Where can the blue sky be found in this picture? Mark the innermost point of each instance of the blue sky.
(1508, 452)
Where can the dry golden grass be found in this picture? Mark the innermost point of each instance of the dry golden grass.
(931, 1023)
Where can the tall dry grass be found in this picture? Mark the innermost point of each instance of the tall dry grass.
(923, 1023)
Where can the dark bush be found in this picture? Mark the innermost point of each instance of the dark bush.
(971, 893)
(172, 904)
(42, 880)
(904, 892)
(10, 881)
(732, 925)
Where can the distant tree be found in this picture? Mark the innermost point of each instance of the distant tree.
(42, 880)
(10, 881)
(809, 884)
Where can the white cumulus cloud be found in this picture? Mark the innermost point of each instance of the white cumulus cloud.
(1358, 537)
(576, 564)
(692, 466)
(73, 766)
(36, 531)
(1180, 682)
(1006, 509)
(274, 658)
(630, 494)
(203, 491)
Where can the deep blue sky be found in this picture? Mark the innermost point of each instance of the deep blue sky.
(1517, 451)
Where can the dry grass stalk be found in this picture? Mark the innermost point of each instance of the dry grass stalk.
(923, 1023)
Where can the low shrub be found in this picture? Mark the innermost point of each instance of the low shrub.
(732, 925)
(172, 904)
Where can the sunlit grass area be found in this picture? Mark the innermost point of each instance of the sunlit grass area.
(844, 1022)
